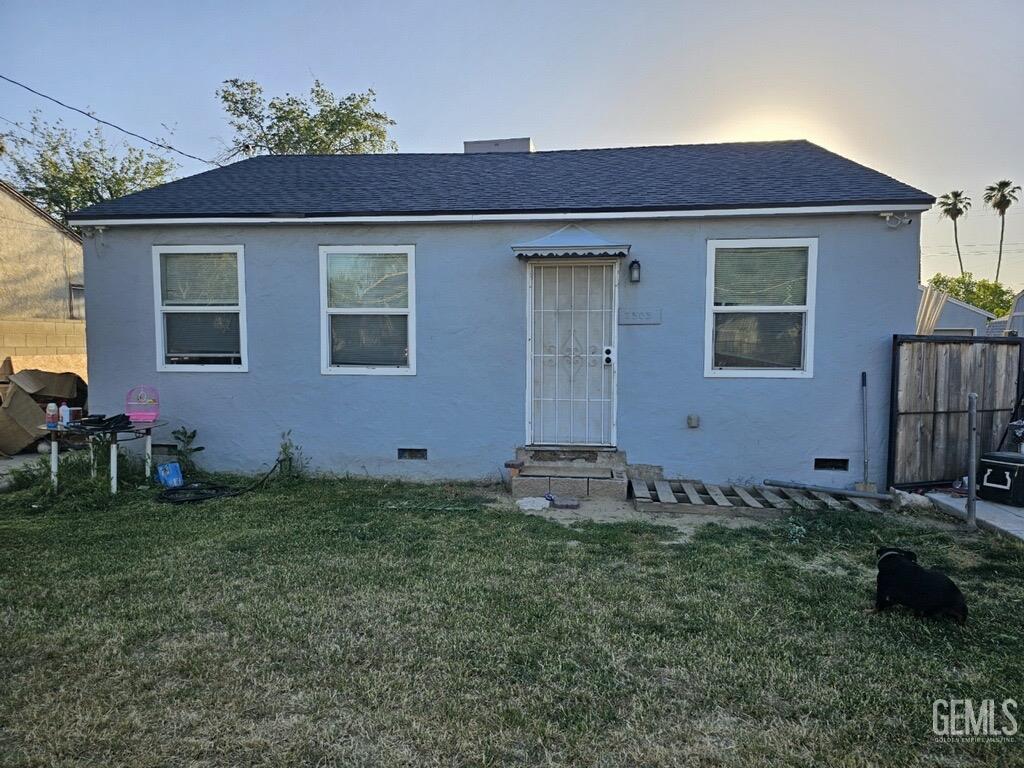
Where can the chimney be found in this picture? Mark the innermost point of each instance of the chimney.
(524, 144)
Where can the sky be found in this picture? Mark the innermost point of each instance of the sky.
(929, 92)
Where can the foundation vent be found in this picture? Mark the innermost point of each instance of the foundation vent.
(840, 465)
(416, 454)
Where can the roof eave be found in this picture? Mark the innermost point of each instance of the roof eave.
(919, 204)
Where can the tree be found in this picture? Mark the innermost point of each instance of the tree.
(62, 172)
(291, 125)
(953, 205)
(985, 294)
(1001, 196)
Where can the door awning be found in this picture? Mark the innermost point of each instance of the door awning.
(571, 241)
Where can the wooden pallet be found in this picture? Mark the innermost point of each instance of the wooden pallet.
(694, 497)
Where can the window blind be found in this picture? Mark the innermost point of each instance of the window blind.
(759, 340)
(202, 334)
(362, 281)
(760, 276)
(199, 279)
(370, 340)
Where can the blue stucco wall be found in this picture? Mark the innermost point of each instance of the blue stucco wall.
(466, 404)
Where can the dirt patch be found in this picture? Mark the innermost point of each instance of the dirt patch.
(611, 511)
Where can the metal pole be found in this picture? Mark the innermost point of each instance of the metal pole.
(864, 411)
(972, 457)
(113, 463)
(826, 489)
(53, 458)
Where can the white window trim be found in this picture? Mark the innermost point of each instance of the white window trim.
(964, 331)
(807, 372)
(325, 313)
(160, 309)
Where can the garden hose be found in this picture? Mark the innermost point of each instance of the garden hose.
(195, 493)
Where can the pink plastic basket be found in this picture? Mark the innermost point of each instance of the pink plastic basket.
(142, 403)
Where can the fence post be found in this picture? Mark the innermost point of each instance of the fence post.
(972, 454)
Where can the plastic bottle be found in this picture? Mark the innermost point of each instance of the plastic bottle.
(65, 413)
(52, 415)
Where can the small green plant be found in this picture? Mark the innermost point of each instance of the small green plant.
(186, 449)
(795, 531)
(292, 464)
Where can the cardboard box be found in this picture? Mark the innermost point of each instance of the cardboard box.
(20, 418)
(43, 384)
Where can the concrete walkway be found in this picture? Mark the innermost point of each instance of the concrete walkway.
(1000, 518)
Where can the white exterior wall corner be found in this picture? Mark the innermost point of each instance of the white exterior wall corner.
(466, 402)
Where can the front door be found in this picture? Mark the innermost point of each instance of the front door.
(571, 353)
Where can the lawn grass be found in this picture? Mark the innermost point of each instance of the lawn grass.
(358, 622)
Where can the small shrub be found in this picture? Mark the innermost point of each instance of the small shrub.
(795, 530)
(292, 464)
(186, 449)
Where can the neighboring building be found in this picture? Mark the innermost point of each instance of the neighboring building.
(42, 290)
(958, 318)
(1011, 323)
(705, 308)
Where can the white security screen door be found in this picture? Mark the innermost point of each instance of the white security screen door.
(572, 355)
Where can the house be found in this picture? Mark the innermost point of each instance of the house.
(706, 308)
(1012, 323)
(958, 318)
(42, 308)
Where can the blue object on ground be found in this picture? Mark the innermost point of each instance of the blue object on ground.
(169, 475)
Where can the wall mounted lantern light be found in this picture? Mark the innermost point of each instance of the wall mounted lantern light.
(634, 271)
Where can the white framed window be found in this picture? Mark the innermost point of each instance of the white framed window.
(199, 292)
(760, 308)
(368, 309)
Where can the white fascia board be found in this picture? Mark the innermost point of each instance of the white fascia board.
(452, 218)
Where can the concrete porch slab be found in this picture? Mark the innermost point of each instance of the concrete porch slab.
(999, 518)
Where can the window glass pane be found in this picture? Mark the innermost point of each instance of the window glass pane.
(78, 302)
(759, 340)
(199, 279)
(370, 340)
(364, 280)
(760, 276)
(202, 337)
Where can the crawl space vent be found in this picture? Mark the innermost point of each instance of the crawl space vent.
(842, 465)
(419, 454)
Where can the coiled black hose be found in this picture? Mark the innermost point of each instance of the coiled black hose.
(195, 493)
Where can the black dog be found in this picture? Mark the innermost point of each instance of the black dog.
(901, 581)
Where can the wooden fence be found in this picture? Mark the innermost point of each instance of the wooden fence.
(931, 378)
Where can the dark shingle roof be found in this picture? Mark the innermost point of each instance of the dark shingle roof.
(687, 177)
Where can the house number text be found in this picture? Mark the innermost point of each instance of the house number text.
(639, 317)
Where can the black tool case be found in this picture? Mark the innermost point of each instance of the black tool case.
(1001, 478)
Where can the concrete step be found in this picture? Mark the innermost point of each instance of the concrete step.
(566, 470)
(593, 457)
(578, 482)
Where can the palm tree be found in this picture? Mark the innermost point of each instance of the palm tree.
(953, 205)
(1001, 196)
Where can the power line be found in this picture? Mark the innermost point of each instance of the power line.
(983, 210)
(107, 122)
(24, 130)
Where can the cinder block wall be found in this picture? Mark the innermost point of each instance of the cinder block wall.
(31, 337)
